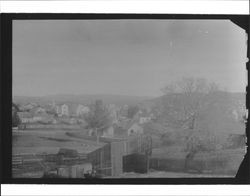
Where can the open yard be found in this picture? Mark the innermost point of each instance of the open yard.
(221, 162)
(164, 174)
(48, 142)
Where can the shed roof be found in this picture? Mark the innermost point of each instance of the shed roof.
(126, 124)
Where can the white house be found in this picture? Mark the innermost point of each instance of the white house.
(109, 132)
(143, 120)
(113, 113)
(26, 117)
(65, 109)
(43, 118)
(62, 110)
(81, 110)
(135, 129)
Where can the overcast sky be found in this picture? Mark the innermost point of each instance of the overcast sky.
(124, 57)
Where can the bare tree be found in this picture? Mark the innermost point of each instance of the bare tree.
(98, 118)
(15, 118)
(132, 111)
(184, 101)
(187, 97)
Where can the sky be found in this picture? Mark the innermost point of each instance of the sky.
(124, 57)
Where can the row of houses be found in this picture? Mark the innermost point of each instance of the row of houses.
(32, 112)
(71, 110)
(28, 117)
(51, 113)
(64, 109)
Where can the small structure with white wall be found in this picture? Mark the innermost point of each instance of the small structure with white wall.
(135, 129)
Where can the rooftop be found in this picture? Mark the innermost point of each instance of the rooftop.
(24, 114)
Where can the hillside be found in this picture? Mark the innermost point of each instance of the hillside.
(222, 112)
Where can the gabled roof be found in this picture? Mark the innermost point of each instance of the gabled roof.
(25, 114)
(135, 125)
(49, 107)
(34, 109)
(126, 124)
(44, 115)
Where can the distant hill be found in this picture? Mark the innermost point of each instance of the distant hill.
(223, 111)
(118, 100)
(221, 97)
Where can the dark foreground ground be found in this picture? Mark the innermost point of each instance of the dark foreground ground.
(49, 141)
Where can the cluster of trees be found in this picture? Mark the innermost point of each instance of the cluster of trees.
(182, 104)
(98, 118)
(185, 98)
(132, 111)
(15, 118)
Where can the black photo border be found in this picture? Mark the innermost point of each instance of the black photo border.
(243, 175)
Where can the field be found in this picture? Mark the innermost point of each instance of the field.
(220, 162)
(30, 146)
(49, 142)
(166, 161)
(164, 174)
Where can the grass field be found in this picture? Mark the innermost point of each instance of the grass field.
(49, 142)
(163, 174)
(224, 161)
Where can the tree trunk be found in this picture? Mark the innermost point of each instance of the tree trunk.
(188, 159)
(97, 137)
(147, 163)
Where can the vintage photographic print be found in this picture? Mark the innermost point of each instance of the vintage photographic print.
(128, 98)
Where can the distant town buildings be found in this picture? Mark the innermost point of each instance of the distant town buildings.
(113, 110)
(64, 113)
(82, 110)
(26, 117)
(62, 110)
(135, 129)
(73, 113)
(28, 106)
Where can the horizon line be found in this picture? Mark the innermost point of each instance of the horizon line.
(103, 94)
